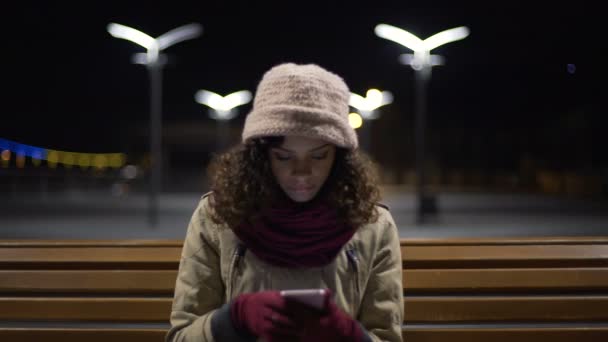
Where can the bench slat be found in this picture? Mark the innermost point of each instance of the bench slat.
(505, 280)
(88, 281)
(79, 335)
(519, 334)
(504, 240)
(44, 243)
(86, 309)
(419, 309)
(90, 257)
(505, 256)
(448, 309)
(563, 334)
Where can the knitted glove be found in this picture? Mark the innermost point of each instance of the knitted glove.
(330, 325)
(263, 314)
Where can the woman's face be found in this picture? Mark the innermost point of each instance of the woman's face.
(301, 166)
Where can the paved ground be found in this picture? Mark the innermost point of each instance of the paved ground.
(99, 215)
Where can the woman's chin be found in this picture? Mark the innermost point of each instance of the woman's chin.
(301, 196)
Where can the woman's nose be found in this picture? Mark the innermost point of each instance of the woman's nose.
(302, 168)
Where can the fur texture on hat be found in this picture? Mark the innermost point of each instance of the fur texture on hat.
(303, 100)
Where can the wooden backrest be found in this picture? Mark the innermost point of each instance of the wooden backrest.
(88, 281)
(530, 289)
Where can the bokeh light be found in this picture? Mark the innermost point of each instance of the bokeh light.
(571, 68)
(355, 120)
(84, 160)
(67, 159)
(5, 155)
(129, 172)
(5, 158)
(100, 162)
(54, 157)
(20, 161)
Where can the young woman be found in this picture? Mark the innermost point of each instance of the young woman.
(292, 207)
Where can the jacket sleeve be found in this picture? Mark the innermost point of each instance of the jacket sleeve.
(199, 289)
(382, 306)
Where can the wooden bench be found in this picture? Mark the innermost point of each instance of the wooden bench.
(498, 289)
(506, 289)
(86, 290)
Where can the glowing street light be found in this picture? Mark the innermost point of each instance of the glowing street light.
(422, 62)
(367, 107)
(222, 109)
(422, 57)
(222, 106)
(154, 45)
(373, 100)
(154, 61)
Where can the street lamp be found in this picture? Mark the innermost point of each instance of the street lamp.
(366, 106)
(222, 109)
(421, 61)
(154, 61)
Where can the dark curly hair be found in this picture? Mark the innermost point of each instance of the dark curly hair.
(242, 182)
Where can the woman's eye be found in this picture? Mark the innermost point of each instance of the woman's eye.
(319, 156)
(281, 157)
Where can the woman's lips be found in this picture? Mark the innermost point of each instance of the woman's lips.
(302, 188)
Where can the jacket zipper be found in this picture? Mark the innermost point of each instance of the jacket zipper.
(239, 251)
(353, 260)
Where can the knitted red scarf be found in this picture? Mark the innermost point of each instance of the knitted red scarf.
(296, 235)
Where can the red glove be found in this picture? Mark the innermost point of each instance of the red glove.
(330, 325)
(263, 314)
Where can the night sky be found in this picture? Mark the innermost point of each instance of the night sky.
(528, 79)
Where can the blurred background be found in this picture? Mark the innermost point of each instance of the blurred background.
(514, 120)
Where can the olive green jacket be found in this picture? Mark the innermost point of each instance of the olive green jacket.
(365, 277)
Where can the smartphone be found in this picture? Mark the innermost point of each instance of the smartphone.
(314, 298)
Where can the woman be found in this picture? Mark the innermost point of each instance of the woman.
(293, 207)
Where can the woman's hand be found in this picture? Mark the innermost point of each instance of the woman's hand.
(264, 314)
(328, 325)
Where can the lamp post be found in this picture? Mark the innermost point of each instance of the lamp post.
(154, 61)
(421, 61)
(222, 109)
(366, 106)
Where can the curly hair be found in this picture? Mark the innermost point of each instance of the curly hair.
(242, 182)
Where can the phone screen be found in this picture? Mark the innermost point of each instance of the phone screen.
(314, 298)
